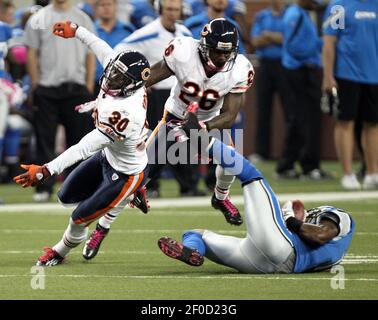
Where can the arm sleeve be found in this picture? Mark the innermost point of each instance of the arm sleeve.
(87, 146)
(101, 49)
(31, 35)
(245, 74)
(176, 54)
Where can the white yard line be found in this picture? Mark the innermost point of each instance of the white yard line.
(240, 232)
(191, 277)
(349, 259)
(205, 201)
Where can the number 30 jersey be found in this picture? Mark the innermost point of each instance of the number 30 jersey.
(192, 84)
(123, 122)
(120, 126)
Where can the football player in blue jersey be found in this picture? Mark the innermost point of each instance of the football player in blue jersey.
(287, 240)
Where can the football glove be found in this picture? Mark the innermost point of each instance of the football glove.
(33, 176)
(66, 29)
(86, 107)
(295, 209)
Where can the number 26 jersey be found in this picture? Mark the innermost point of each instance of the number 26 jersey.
(192, 84)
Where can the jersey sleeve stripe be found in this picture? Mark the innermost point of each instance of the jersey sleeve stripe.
(113, 129)
(168, 66)
(241, 88)
(106, 135)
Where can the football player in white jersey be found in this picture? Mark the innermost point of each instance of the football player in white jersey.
(115, 151)
(209, 72)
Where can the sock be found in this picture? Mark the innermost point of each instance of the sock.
(234, 163)
(223, 184)
(107, 220)
(193, 240)
(72, 237)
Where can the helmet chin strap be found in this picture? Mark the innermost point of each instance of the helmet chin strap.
(112, 93)
(213, 67)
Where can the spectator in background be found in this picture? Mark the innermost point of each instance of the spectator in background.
(215, 9)
(267, 38)
(301, 61)
(13, 96)
(142, 12)
(109, 29)
(89, 7)
(236, 9)
(58, 87)
(124, 10)
(351, 65)
(5, 36)
(157, 35)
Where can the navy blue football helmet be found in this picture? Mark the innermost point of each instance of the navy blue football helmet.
(125, 74)
(219, 44)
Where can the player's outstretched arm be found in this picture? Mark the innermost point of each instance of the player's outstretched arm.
(87, 146)
(159, 72)
(101, 49)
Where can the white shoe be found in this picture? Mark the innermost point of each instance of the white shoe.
(41, 196)
(350, 182)
(370, 182)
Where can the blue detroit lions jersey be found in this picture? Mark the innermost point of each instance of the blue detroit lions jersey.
(5, 35)
(320, 258)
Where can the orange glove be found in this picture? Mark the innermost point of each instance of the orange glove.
(35, 175)
(66, 29)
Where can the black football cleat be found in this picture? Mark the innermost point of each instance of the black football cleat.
(176, 250)
(230, 212)
(92, 245)
(140, 200)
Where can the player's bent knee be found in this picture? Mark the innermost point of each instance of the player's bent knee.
(68, 204)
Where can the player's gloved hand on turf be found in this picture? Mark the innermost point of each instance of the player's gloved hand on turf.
(33, 176)
(66, 29)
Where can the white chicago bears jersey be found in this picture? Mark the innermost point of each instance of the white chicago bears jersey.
(123, 121)
(192, 84)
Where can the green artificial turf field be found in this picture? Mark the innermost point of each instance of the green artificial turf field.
(130, 265)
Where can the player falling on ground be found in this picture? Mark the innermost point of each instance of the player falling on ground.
(115, 151)
(211, 73)
(290, 240)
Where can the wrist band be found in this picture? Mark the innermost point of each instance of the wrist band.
(293, 224)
